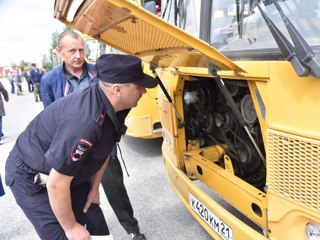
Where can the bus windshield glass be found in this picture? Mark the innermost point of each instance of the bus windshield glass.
(238, 29)
(246, 30)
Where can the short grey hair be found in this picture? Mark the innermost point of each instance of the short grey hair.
(106, 84)
(65, 33)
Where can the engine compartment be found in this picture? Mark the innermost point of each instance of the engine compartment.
(211, 121)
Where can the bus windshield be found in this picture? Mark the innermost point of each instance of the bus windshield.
(237, 28)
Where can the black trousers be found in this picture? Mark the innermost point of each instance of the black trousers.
(30, 86)
(34, 201)
(112, 183)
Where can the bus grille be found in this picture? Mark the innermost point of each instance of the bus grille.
(165, 114)
(293, 168)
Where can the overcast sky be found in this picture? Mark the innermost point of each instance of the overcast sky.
(26, 27)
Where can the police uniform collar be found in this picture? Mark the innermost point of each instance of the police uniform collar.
(108, 107)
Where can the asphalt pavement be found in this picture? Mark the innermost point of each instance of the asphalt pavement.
(160, 212)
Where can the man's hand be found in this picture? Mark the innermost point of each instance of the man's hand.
(77, 232)
(58, 187)
(93, 197)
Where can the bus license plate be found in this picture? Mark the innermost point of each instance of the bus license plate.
(219, 226)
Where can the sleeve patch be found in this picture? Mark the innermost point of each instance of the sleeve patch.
(81, 148)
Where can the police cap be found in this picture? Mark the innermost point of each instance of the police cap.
(120, 68)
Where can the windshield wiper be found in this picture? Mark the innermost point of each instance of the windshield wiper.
(286, 48)
(303, 50)
(240, 12)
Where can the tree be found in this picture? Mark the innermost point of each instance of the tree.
(46, 63)
(52, 51)
(24, 64)
(52, 54)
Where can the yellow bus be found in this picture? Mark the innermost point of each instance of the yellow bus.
(143, 120)
(238, 106)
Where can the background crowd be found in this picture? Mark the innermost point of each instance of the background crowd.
(32, 76)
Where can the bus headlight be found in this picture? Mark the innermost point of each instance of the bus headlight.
(312, 231)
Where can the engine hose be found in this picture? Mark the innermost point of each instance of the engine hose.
(233, 107)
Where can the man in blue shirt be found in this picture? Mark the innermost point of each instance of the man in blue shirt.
(73, 75)
(71, 141)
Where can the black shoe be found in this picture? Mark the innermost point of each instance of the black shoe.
(137, 236)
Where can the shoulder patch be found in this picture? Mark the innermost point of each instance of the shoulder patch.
(80, 149)
(100, 116)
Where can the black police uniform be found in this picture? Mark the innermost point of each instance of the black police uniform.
(74, 135)
(112, 180)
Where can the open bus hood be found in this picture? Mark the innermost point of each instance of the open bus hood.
(126, 26)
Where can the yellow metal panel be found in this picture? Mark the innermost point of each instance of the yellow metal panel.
(287, 220)
(255, 70)
(166, 115)
(128, 27)
(183, 186)
(226, 184)
(293, 102)
(139, 125)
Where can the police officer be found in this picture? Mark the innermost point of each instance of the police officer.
(72, 75)
(70, 141)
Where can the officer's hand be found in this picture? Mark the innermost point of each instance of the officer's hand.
(78, 232)
(93, 197)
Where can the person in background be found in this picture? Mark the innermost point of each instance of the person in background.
(2, 192)
(35, 77)
(71, 149)
(10, 77)
(73, 75)
(18, 81)
(43, 71)
(5, 95)
(26, 75)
